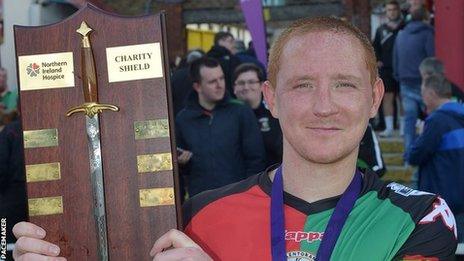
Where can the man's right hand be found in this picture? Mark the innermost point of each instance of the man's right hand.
(184, 157)
(30, 245)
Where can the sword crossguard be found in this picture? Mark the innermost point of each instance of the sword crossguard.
(91, 109)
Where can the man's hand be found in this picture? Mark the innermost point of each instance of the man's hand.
(184, 157)
(30, 245)
(175, 245)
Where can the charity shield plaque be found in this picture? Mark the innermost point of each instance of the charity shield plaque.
(98, 133)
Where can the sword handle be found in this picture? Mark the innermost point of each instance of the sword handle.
(89, 78)
(91, 107)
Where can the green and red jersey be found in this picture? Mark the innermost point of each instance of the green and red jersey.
(388, 222)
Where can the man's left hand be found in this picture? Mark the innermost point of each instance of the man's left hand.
(175, 245)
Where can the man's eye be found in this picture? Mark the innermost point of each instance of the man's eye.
(346, 84)
(303, 86)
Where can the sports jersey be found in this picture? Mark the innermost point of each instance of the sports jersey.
(388, 222)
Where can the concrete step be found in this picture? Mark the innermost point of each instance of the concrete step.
(393, 159)
(399, 174)
(391, 145)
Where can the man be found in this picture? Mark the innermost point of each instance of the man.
(223, 50)
(180, 82)
(248, 79)
(413, 44)
(433, 65)
(245, 57)
(219, 136)
(383, 45)
(439, 150)
(323, 97)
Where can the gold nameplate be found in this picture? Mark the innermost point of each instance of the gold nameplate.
(154, 162)
(134, 62)
(46, 71)
(43, 172)
(45, 206)
(40, 138)
(151, 129)
(156, 197)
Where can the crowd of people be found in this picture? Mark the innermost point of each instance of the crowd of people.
(416, 80)
(303, 123)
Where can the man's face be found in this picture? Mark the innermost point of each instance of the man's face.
(2, 81)
(247, 87)
(323, 96)
(393, 12)
(228, 43)
(212, 85)
(415, 4)
(429, 97)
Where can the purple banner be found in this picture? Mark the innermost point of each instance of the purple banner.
(253, 13)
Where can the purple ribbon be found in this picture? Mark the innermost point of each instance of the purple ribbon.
(333, 229)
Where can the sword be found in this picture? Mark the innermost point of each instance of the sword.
(91, 108)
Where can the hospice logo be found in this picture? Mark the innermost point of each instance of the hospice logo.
(300, 256)
(33, 69)
(299, 236)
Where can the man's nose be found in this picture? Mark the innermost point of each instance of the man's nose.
(323, 104)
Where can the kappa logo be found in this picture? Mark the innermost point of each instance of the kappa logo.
(441, 209)
(33, 69)
(300, 256)
(299, 236)
(406, 191)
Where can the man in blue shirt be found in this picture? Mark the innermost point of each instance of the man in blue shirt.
(439, 150)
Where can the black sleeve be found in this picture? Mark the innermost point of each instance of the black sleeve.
(251, 143)
(433, 238)
(377, 44)
(370, 152)
(5, 154)
(184, 170)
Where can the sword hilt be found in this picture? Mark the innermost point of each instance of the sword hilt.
(89, 77)
(91, 107)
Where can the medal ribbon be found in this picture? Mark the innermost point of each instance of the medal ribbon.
(333, 229)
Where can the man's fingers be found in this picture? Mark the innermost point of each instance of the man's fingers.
(184, 157)
(37, 257)
(189, 155)
(26, 229)
(189, 253)
(34, 245)
(173, 238)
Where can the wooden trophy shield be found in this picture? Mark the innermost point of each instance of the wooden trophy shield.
(125, 59)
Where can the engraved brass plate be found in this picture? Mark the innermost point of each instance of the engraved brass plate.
(156, 197)
(151, 129)
(45, 206)
(46, 71)
(154, 162)
(40, 138)
(43, 172)
(134, 62)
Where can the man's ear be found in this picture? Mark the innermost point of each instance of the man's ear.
(270, 98)
(378, 91)
(196, 86)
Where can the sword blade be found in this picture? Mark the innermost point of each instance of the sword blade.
(96, 175)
